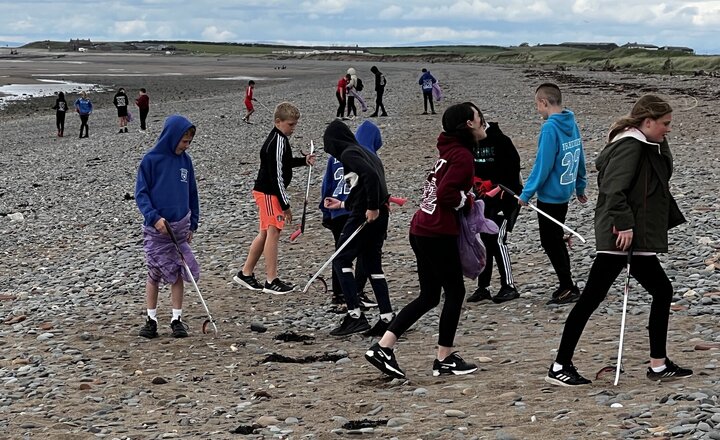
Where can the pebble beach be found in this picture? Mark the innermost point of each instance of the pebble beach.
(72, 271)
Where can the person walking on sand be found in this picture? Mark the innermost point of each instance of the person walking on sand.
(143, 105)
(558, 172)
(497, 162)
(60, 108)
(434, 231)
(368, 206)
(380, 83)
(84, 107)
(633, 214)
(351, 93)
(120, 101)
(166, 190)
(273, 201)
(341, 95)
(249, 101)
(426, 82)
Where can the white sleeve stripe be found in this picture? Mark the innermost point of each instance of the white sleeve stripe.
(463, 197)
(279, 148)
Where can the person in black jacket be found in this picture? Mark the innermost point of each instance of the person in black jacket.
(368, 205)
(60, 108)
(497, 162)
(379, 90)
(120, 101)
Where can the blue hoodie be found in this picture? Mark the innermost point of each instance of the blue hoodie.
(83, 106)
(165, 185)
(333, 184)
(426, 81)
(559, 169)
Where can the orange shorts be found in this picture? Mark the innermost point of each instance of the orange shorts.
(271, 214)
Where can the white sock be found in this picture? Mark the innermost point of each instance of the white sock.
(659, 369)
(556, 367)
(387, 317)
(152, 314)
(355, 313)
(176, 314)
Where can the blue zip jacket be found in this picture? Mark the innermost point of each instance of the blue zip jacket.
(83, 106)
(333, 184)
(559, 169)
(165, 185)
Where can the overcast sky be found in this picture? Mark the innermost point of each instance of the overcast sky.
(369, 22)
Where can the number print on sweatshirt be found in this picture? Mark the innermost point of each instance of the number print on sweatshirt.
(121, 101)
(570, 161)
(429, 198)
(342, 187)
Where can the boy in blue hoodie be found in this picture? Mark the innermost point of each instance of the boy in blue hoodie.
(165, 190)
(558, 172)
(334, 185)
(426, 82)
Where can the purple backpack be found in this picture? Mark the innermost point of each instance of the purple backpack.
(470, 245)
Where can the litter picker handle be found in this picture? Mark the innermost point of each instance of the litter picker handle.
(171, 234)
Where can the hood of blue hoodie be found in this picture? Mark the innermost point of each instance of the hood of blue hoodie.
(564, 121)
(173, 130)
(368, 135)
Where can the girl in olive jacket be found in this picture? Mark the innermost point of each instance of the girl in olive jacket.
(634, 212)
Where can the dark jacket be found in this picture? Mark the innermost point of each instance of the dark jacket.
(276, 164)
(380, 80)
(497, 160)
(445, 189)
(633, 193)
(362, 168)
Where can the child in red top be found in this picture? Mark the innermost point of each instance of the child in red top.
(248, 101)
(340, 94)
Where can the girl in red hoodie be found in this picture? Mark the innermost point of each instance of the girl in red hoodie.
(434, 239)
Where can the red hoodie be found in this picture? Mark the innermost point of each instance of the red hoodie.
(444, 193)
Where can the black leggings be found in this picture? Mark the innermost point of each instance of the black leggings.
(438, 267)
(143, 118)
(84, 124)
(351, 106)
(379, 102)
(605, 269)
(60, 122)
(341, 105)
(552, 241)
(428, 97)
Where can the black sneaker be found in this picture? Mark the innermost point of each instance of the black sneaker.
(278, 287)
(506, 293)
(365, 301)
(248, 281)
(384, 360)
(337, 299)
(565, 296)
(567, 377)
(126, 129)
(379, 329)
(671, 371)
(350, 325)
(149, 330)
(179, 329)
(452, 364)
(480, 294)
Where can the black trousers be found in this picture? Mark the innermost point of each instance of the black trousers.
(60, 122)
(351, 105)
(143, 118)
(84, 124)
(341, 105)
(336, 227)
(366, 247)
(605, 269)
(497, 250)
(552, 241)
(428, 97)
(379, 102)
(438, 267)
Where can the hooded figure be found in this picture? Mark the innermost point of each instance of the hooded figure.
(363, 170)
(165, 185)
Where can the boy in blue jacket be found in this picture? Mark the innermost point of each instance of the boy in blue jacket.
(426, 82)
(558, 172)
(334, 185)
(166, 190)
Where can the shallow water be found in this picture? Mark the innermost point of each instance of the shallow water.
(48, 87)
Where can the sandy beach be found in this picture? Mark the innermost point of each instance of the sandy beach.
(72, 274)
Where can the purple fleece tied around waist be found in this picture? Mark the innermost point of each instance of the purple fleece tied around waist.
(162, 258)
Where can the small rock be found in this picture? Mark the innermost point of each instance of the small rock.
(159, 380)
(454, 413)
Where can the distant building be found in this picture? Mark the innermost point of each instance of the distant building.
(75, 45)
(678, 49)
(321, 50)
(639, 46)
(584, 45)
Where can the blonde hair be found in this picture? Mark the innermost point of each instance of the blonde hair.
(648, 106)
(286, 111)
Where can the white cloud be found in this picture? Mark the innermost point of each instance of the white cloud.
(129, 28)
(324, 7)
(212, 33)
(390, 13)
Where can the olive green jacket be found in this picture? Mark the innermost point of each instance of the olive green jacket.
(634, 193)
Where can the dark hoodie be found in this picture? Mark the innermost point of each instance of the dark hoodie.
(379, 79)
(497, 160)
(165, 185)
(370, 190)
(60, 104)
(444, 193)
